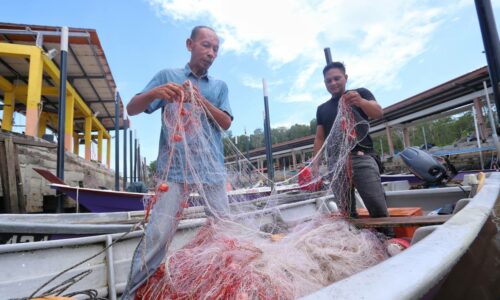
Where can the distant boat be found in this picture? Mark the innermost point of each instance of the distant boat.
(99, 200)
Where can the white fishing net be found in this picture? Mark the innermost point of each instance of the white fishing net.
(266, 245)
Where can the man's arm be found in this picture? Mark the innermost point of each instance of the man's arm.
(319, 140)
(370, 107)
(219, 116)
(140, 102)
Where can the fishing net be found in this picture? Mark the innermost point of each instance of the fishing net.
(279, 244)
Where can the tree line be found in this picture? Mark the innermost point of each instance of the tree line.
(441, 132)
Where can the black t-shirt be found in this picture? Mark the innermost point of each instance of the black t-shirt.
(327, 112)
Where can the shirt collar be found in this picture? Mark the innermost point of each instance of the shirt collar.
(335, 98)
(188, 71)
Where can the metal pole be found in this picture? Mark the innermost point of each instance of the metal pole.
(425, 139)
(62, 114)
(477, 138)
(328, 55)
(247, 145)
(267, 135)
(131, 157)
(491, 45)
(117, 141)
(248, 153)
(125, 127)
(237, 155)
(493, 125)
(145, 170)
(135, 157)
(139, 163)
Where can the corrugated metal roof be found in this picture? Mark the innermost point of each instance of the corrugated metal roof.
(88, 70)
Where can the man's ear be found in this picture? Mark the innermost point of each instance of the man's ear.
(189, 44)
(346, 77)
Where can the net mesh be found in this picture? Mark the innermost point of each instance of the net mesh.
(282, 244)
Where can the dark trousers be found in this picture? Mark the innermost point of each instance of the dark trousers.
(366, 179)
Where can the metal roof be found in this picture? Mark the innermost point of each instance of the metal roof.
(88, 69)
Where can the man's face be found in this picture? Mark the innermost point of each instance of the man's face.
(203, 48)
(335, 81)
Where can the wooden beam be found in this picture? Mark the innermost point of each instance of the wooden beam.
(30, 142)
(400, 221)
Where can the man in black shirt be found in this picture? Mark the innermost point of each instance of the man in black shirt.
(366, 175)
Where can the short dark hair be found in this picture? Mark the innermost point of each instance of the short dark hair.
(334, 65)
(197, 29)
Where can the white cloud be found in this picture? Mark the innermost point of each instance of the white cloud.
(297, 118)
(256, 83)
(375, 39)
(296, 97)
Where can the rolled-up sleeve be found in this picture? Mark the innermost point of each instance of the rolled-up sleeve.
(224, 100)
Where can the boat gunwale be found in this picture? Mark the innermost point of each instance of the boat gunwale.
(415, 271)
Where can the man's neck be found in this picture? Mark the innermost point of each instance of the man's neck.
(197, 73)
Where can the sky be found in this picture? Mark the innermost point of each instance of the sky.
(395, 48)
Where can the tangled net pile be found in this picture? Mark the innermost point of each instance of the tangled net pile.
(259, 251)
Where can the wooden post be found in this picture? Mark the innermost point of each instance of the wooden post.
(406, 137)
(388, 132)
(11, 178)
(480, 119)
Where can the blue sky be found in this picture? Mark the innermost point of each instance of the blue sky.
(395, 48)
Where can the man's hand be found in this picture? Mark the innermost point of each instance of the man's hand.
(354, 98)
(170, 91)
(371, 108)
(189, 86)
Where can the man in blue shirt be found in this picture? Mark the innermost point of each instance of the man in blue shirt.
(196, 163)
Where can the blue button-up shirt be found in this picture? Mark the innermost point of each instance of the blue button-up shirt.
(206, 153)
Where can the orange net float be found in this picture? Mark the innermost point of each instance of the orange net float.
(183, 112)
(177, 138)
(163, 188)
(343, 124)
(353, 135)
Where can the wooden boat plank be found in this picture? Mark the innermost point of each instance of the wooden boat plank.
(401, 221)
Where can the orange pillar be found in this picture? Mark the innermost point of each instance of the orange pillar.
(88, 131)
(76, 143)
(68, 131)
(34, 93)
